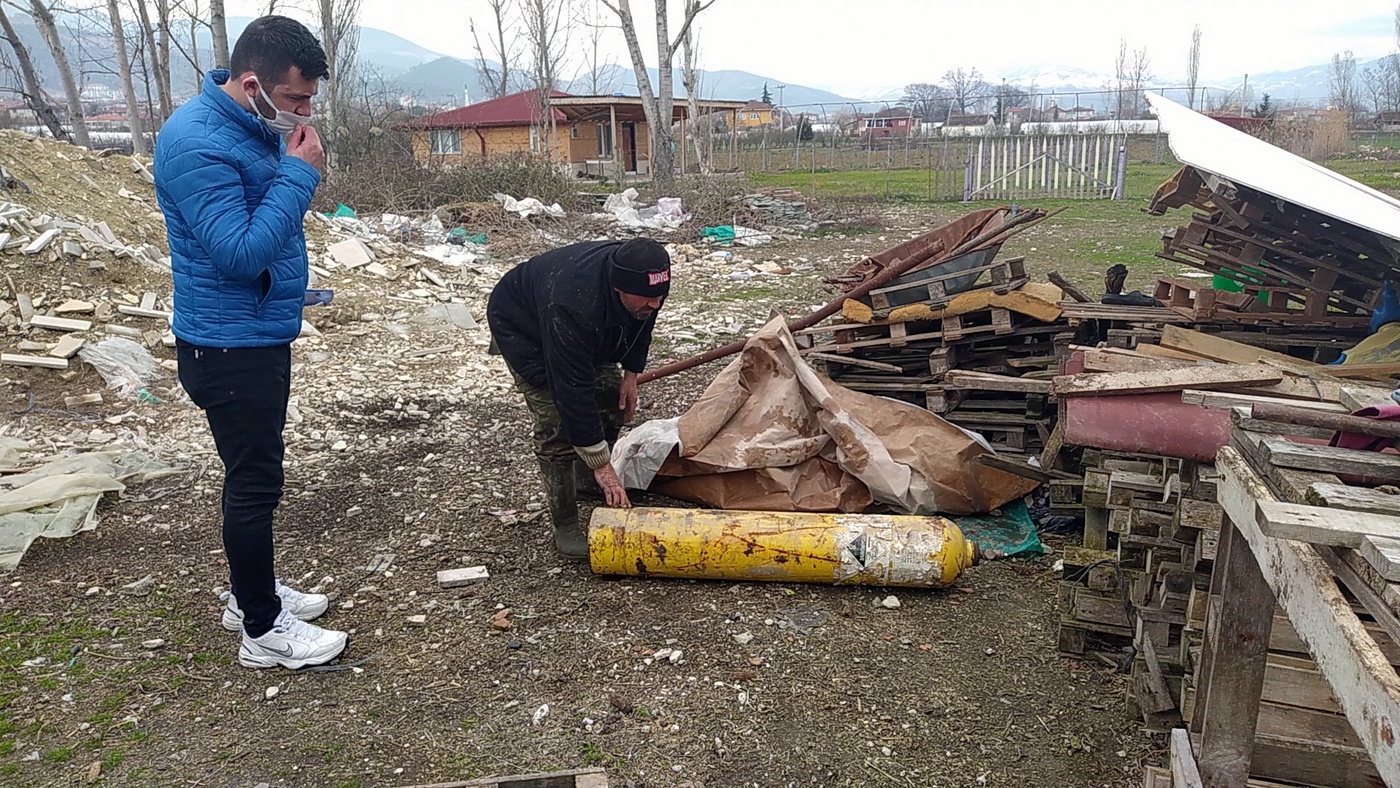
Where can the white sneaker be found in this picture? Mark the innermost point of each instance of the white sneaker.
(291, 643)
(306, 607)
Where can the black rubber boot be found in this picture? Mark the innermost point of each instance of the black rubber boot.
(558, 477)
(585, 485)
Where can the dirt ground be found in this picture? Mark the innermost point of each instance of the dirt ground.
(400, 466)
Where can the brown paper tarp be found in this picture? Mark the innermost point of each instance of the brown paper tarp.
(771, 434)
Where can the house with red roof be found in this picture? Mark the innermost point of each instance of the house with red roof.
(593, 135)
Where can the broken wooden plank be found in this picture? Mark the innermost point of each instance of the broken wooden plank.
(1383, 554)
(980, 381)
(1235, 399)
(20, 360)
(1366, 686)
(1022, 469)
(1220, 349)
(1183, 761)
(1323, 525)
(866, 363)
(1374, 466)
(1225, 376)
(60, 323)
(1337, 422)
(1358, 499)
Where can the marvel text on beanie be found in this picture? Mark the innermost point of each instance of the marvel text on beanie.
(641, 267)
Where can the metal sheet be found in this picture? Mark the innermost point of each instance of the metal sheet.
(1213, 147)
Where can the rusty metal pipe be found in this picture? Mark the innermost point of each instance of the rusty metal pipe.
(1000, 234)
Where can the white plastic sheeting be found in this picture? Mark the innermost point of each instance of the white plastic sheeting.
(1211, 146)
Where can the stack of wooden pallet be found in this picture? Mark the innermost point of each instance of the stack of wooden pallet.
(1295, 266)
(1291, 665)
(1151, 521)
(977, 346)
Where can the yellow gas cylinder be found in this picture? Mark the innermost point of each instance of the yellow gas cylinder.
(854, 549)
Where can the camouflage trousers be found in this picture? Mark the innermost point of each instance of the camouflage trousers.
(551, 444)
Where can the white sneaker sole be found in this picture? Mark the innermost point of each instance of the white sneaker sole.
(262, 661)
(233, 621)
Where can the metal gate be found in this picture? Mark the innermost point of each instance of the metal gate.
(1070, 166)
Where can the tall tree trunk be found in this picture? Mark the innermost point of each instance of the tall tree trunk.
(33, 91)
(156, 68)
(133, 110)
(163, 73)
(49, 30)
(218, 24)
(690, 77)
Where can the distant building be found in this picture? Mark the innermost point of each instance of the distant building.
(1388, 121)
(891, 122)
(754, 114)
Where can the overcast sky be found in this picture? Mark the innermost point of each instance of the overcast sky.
(851, 44)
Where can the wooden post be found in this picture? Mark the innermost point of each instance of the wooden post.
(683, 162)
(1239, 642)
(618, 170)
(733, 136)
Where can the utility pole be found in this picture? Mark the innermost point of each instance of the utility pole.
(781, 120)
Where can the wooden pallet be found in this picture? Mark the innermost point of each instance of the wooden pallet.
(1004, 275)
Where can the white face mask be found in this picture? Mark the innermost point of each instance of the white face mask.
(283, 122)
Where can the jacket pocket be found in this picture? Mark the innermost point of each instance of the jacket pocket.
(264, 287)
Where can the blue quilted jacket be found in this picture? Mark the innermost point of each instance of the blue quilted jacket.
(233, 205)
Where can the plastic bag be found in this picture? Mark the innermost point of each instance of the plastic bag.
(125, 365)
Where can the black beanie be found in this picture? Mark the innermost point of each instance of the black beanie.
(641, 267)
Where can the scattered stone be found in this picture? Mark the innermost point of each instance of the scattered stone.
(60, 323)
(351, 253)
(67, 346)
(152, 644)
(890, 602)
(540, 714)
(419, 620)
(73, 307)
(455, 578)
(272, 692)
(140, 587)
(501, 620)
(94, 772)
(743, 638)
(94, 591)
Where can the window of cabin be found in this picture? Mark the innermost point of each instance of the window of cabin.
(445, 141)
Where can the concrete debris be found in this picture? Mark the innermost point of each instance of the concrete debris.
(73, 306)
(67, 347)
(20, 360)
(456, 578)
(351, 253)
(60, 323)
(39, 244)
(140, 587)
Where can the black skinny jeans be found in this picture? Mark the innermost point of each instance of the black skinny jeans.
(244, 393)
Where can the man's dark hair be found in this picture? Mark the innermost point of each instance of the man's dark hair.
(271, 45)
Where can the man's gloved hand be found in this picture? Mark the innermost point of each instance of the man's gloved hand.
(1388, 311)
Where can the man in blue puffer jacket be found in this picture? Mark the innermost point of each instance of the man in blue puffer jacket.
(234, 194)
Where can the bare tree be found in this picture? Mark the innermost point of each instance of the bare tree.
(659, 105)
(48, 28)
(340, 38)
(1379, 83)
(547, 25)
(159, 68)
(32, 91)
(600, 73)
(1139, 74)
(194, 19)
(964, 86)
(133, 109)
(218, 26)
(927, 100)
(1193, 67)
(690, 78)
(1341, 82)
(496, 81)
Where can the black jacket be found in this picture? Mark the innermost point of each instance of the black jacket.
(556, 318)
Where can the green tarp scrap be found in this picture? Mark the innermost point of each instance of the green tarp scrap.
(1004, 535)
